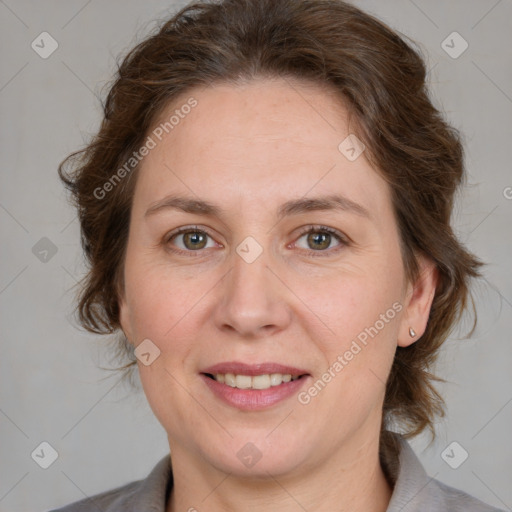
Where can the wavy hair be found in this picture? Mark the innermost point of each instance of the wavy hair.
(378, 75)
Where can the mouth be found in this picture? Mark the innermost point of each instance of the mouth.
(263, 381)
(253, 387)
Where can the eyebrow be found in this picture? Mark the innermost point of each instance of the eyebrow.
(334, 202)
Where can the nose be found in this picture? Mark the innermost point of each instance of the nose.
(252, 299)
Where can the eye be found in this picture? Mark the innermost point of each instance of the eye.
(192, 239)
(319, 238)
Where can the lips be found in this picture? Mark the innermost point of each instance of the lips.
(253, 387)
(253, 370)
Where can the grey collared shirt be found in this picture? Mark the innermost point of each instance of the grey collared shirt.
(414, 491)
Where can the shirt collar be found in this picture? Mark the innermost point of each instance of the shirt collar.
(153, 492)
(412, 481)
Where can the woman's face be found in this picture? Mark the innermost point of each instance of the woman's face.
(293, 263)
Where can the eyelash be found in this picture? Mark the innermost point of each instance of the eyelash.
(324, 229)
(307, 230)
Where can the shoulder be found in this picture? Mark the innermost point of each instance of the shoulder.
(415, 491)
(148, 494)
(455, 500)
(108, 501)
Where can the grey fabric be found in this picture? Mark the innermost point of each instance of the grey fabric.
(414, 491)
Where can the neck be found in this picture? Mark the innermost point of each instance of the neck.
(351, 480)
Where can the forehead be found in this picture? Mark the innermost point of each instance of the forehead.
(260, 139)
(261, 111)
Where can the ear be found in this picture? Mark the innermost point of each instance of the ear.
(417, 302)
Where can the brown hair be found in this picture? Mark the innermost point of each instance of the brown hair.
(378, 76)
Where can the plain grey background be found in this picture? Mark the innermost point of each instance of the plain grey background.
(51, 387)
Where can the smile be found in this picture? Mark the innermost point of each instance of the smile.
(264, 381)
(253, 387)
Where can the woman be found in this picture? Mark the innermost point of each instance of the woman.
(266, 213)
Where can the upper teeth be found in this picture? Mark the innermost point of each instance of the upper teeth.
(257, 382)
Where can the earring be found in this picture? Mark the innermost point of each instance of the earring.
(411, 332)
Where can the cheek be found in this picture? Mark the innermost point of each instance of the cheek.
(157, 296)
(359, 315)
(349, 304)
(161, 309)
(358, 356)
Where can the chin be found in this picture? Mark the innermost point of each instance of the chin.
(253, 454)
